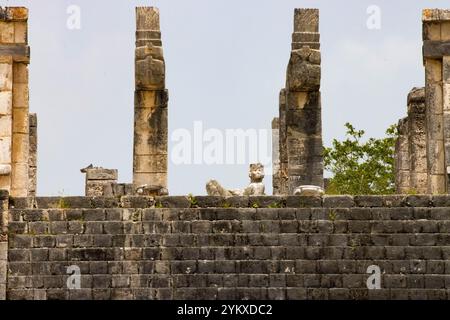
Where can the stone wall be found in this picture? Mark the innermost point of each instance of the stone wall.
(235, 248)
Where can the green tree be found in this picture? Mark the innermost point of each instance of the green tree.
(361, 167)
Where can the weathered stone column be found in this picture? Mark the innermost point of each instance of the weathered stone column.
(282, 145)
(151, 98)
(14, 128)
(402, 173)
(32, 160)
(417, 141)
(436, 50)
(303, 103)
(4, 207)
(276, 156)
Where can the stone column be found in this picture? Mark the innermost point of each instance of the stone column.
(276, 156)
(303, 103)
(282, 146)
(14, 128)
(151, 98)
(436, 50)
(417, 141)
(32, 160)
(402, 173)
(4, 204)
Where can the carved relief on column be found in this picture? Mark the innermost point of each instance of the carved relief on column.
(151, 99)
(402, 173)
(303, 103)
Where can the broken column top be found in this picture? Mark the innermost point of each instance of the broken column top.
(147, 18)
(416, 95)
(306, 20)
(13, 14)
(435, 15)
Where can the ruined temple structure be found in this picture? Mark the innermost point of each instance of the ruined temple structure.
(422, 155)
(299, 125)
(18, 128)
(132, 241)
(150, 119)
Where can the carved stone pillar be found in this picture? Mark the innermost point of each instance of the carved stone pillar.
(151, 98)
(14, 104)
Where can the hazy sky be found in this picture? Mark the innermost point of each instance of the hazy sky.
(226, 62)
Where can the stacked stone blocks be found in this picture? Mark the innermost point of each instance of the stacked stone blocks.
(300, 120)
(151, 99)
(259, 248)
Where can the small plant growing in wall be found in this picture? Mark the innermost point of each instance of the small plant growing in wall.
(226, 205)
(159, 205)
(192, 200)
(255, 205)
(332, 215)
(275, 205)
(62, 204)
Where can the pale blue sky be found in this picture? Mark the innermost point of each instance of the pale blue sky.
(226, 62)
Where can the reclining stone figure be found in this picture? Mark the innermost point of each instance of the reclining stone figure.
(255, 188)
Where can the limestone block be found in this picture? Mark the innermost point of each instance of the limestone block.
(101, 174)
(5, 126)
(5, 150)
(436, 128)
(6, 32)
(6, 77)
(306, 37)
(304, 70)
(436, 159)
(430, 14)
(446, 70)
(20, 32)
(419, 182)
(434, 98)
(433, 70)
(158, 179)
(20, 148)
(150, 73)
(444, 14)
(20, 95)
(306, 20)
(416, 95)
(32, 181)
(437, 184)
(19, 178)
(150, 143)
(14, 14)
(431, 31)
(20, 71)
(21, 121)
(147, 18)
(150, 163)
(6, 102)
(5, 182)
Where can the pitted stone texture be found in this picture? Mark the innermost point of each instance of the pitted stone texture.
(230, 253)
